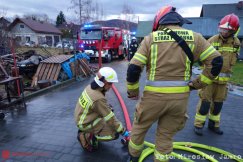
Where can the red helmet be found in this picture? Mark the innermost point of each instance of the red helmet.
(162, 12)
(230, 22)
(168, 15)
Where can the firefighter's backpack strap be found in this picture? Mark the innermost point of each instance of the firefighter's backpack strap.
(182, 43)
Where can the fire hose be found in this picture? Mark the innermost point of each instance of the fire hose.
(185, 146)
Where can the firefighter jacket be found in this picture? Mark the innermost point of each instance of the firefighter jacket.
(92, 108)
(167, 65)
(229, 49)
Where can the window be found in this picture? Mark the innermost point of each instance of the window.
(21, 26)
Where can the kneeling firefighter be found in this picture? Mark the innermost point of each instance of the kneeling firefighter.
(212, 96)
(168, 54)
(94, 116)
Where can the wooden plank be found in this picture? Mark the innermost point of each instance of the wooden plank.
(44, 76)
(72, 66)
(87, 70)
(42, 71)
(35, 77)
(54, 69)
(57, 72)
(49, 73)
(38, 69)
(83, 71)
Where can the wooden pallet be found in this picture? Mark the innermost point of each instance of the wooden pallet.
(46, 71)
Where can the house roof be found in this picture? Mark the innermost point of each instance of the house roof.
(38, 27)
(217, 10)
(3, 20)
(4, 23)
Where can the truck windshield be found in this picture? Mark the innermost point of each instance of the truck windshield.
(91, 34)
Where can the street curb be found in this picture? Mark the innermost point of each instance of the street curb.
(44, 91)
(50, 88)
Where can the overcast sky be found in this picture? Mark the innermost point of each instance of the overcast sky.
(144, 9)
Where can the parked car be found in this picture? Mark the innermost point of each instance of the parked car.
(65, 45)
(30, 44)
(29, 66)
(44, 45)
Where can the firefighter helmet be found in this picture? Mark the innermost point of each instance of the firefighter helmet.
(107, 74)
(168, 15)
(230, 22)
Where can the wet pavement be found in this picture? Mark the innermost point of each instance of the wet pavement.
(46, 131)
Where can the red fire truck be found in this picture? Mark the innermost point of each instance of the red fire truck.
(112, 41)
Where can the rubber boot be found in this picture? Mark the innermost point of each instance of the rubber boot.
(85, 141)
(132, 159)
(198, 131)
(213, 128)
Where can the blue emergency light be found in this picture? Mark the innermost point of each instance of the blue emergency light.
(87, 26)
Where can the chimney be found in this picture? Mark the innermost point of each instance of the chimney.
(239, 5)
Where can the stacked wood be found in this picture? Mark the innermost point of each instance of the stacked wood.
(84, 69)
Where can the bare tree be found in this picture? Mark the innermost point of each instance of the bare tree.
(3, 12)
(38, 17)
(127, 14)
(87, 10)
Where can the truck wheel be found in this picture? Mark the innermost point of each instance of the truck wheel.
(2, 116)
(108, 58)
(122, 56)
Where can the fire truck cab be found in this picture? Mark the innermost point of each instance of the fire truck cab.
(111, 41)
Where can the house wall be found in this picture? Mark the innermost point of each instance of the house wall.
(25, 34)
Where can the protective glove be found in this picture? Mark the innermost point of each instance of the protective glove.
(190, 84)
(132, 96)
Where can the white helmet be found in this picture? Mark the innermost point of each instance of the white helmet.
(108, 73)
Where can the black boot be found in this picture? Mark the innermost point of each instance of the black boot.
(211, 126)
(132, 159)
(198, 131)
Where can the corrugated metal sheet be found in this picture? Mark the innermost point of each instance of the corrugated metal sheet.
(57, 59)
(217, 10)
(144, 28)
(206, 26)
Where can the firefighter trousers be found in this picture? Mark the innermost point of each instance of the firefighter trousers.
(210, 104)
(102, 132)
(170, 116)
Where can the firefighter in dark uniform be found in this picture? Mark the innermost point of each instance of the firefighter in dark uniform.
(93, 115)
(212, 96)
(168, 70)
(132, 48)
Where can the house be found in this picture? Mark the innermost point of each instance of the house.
(4, 23)
(27, 30)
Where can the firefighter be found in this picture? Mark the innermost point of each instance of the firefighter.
(132, 48)
(168, 72)
(227, 43)
(93, 115)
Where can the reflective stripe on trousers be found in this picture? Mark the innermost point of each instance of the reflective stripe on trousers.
(167, 86)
